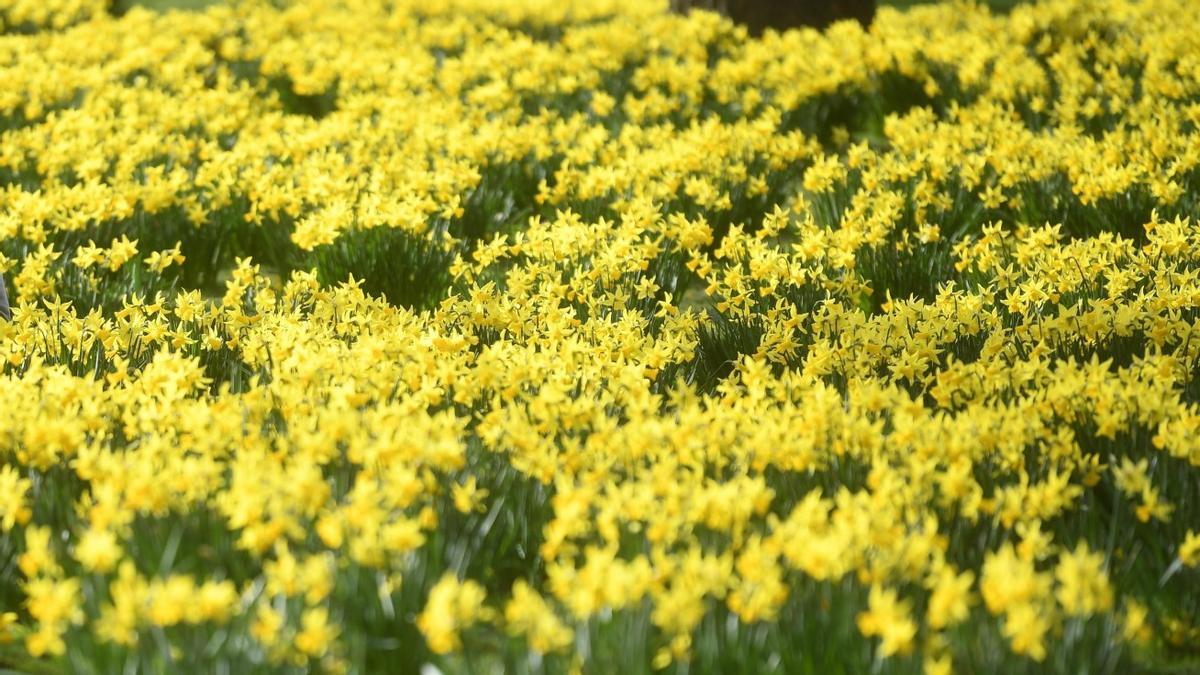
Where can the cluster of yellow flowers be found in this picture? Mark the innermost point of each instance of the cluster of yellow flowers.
(534, 336)
(27, 15)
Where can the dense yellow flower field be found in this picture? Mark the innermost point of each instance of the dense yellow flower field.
(543, 336)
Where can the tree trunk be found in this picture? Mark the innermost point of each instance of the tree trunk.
(759, 15)
(5, 312)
